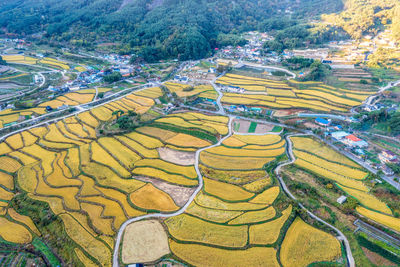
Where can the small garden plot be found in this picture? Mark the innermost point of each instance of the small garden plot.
(304, 245)
(150, 198)
(190, 229)
(177, 157)
(144, 241)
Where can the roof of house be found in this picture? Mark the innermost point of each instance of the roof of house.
(353, 138)
(339, 134)
(322, 121)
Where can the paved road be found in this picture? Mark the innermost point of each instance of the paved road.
(180, 211)
(381, 90)
(341, 236)
(268, 67)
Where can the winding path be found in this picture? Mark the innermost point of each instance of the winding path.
(292, 159)
(181, 210)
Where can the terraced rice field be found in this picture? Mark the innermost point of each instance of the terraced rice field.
(184, 90)
(348, 176)
(280, 95)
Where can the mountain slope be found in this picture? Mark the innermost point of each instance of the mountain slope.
(156, 28)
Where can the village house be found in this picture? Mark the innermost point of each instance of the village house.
(388, 156)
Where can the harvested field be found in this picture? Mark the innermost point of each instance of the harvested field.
(176, 157)
(144, 241)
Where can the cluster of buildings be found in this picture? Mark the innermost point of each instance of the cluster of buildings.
(252, 51)
(349, 140)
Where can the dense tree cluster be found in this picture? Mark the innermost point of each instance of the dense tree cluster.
(368, 17)
(155, 29)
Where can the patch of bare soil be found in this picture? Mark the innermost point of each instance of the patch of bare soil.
(263, 128)
(376, 258)
(179, 194)
(144, 241)
(177, 157)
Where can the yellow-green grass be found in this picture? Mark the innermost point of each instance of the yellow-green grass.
(191, 229)
(267, 233)
(304, 244)
(200, 255)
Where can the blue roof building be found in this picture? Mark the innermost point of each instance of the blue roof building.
(322, 122)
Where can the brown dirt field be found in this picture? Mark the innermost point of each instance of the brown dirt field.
(264, 128)
(179, 194)
(144, 241)
(376, 258)
(244, 125)
(285, 112)
(177, 157)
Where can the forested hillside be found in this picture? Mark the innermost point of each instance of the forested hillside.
(362, 17)
(156, 28)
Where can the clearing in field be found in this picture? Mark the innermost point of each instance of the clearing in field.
(144, 241)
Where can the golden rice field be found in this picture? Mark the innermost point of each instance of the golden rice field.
(184, 90)
(325, 162)
(304, 244)
(276, 94)
(93, 184)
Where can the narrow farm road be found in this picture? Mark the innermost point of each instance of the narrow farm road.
(292, 158)
(181, 210)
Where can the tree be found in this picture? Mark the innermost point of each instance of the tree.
(113, 77)
(118, 113)
(2, 61)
